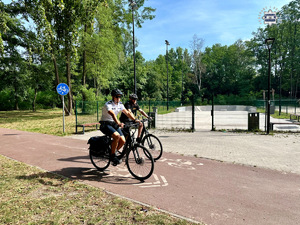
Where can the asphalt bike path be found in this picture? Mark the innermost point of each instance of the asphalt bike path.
(202, 190)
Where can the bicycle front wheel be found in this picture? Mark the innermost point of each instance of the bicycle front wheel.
(100, 161)
(154, 145)
(140, 163)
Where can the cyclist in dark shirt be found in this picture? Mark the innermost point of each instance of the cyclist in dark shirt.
(110, 125)
(132, 107)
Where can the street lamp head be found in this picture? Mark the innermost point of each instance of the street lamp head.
(269, 42)
(167, 43)
(132, 4)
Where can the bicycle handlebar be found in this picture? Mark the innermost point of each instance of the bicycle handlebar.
(146, 119)
(136, 124)
(129, 125)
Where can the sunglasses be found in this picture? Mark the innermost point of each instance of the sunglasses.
(118, 96)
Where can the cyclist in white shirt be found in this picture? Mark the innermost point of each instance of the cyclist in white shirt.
(110, 125)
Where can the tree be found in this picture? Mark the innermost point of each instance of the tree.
(285, 52)
(291, 15)
(196, 56)
(230, 70)
(4, 17)
(90, 8)
(100, 50)
(57, 24)
(14, 73)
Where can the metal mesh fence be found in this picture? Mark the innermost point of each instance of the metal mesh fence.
(161, 106)
(172, 115)
(169, 115)
(88, 111)
(284, 105)
(231, 116)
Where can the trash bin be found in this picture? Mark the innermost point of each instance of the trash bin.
(272, 107)
(253, 121)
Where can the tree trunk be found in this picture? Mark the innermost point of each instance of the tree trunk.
(84, 65)
(16, 100)
(200, 79)
(57, 79)
(296, 91)
(84, 61)
(84, 68)
(55, 70)
(34, 100)
(68, 68)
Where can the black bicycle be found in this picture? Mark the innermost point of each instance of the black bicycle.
(138, 159)
(151, 142)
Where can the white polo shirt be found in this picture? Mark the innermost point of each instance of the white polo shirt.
(110, 105)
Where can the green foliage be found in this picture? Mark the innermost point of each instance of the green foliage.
(4, 19)
(44, 100)
(6, 100)
(233, 100)
(48, 99)
(284, 53)
(229, 70)
(88, 45)
(86, 94)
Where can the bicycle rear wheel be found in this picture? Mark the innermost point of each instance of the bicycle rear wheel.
(140, 163)
(154, 145)
(100, 161)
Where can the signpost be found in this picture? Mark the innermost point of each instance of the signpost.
(63, 89)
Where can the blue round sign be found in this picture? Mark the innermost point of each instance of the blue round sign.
(62, 89)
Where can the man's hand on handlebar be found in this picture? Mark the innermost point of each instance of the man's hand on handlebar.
(138, 122)
(121, 125)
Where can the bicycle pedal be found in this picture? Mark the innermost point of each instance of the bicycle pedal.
(115, 164)
(116, 161)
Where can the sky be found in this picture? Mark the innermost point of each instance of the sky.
(215, 21)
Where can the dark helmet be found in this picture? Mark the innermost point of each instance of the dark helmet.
(133, 96)
(116, 92)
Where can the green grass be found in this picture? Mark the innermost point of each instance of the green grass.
(49, 121)
(276, 115)
(42, 121)
(32, 196)
(29, 195)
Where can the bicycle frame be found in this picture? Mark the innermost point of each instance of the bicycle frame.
(138, 159)
(130, 142)
(144, 130)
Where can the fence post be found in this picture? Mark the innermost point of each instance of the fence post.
(193, 114)
(152, 124)
(212, 113)
(97, 110)
(76, 116)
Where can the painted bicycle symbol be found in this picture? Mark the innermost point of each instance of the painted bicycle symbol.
(181, 163)
(62, 89)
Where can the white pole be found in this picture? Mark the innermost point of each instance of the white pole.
(63, 114)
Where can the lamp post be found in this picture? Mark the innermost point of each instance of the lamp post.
(269, 42)
(133, 5)
(167, 58)
(182, 81)
(280, 58)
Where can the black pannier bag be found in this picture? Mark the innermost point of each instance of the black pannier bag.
(99, 145)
